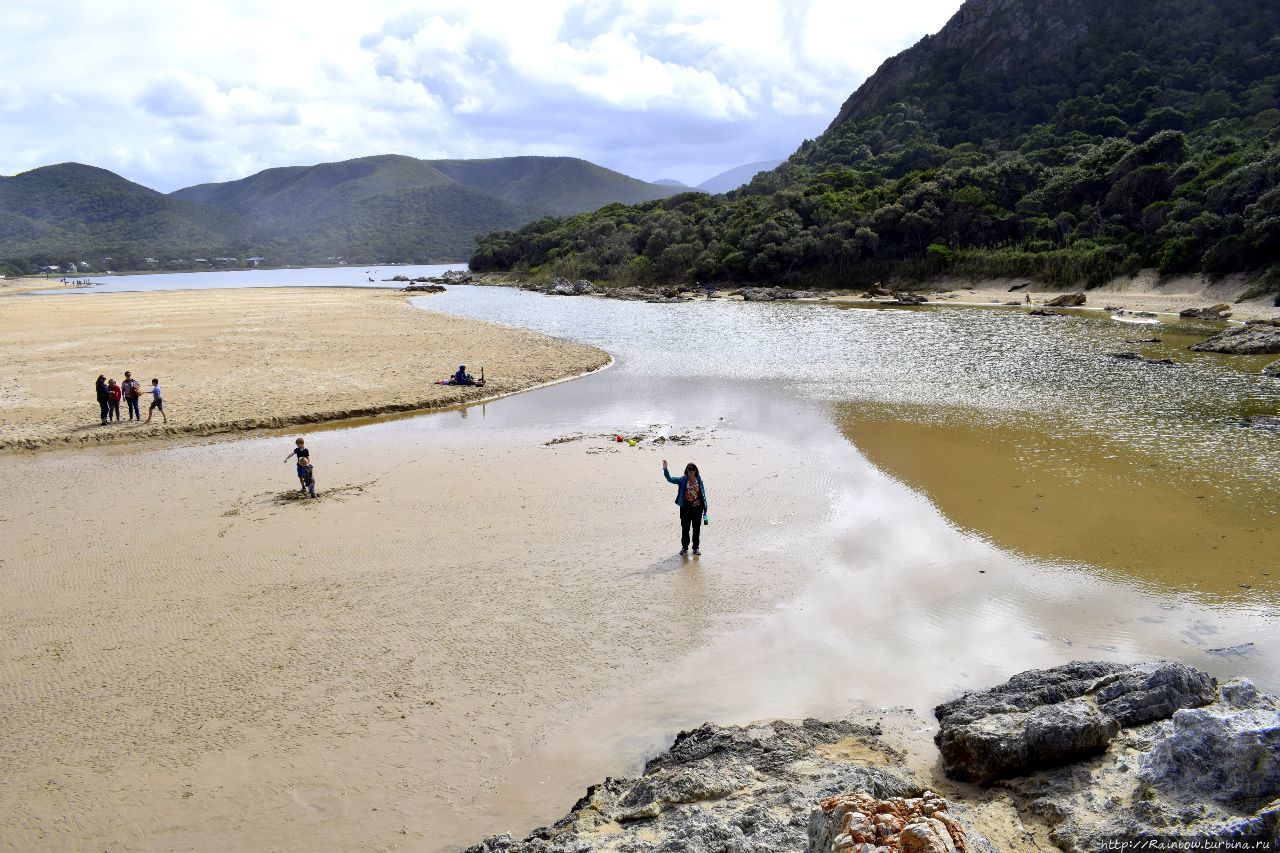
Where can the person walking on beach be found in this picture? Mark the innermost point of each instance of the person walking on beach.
(113, 392)
(157, 402)
(104, 398)
(691, 497)
(132, 391)
(304, 471)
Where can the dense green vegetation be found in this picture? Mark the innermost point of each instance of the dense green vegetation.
(374, 209)
(72, 213)
(1066, 140)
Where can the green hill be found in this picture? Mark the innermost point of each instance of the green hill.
(394, 208)
(1068, 140)
(74, 212)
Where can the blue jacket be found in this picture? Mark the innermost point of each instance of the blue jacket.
(681, 482)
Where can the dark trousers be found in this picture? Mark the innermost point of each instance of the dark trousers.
(135, 411)
(114, 410)
(105, 403)
(690, 517)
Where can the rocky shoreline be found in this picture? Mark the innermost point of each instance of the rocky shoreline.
(1090, 756)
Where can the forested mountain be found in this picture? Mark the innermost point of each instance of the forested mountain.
(1069, 140)
(385, 208)
(391, 207)
(76, 212)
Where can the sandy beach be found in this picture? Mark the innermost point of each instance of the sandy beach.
(241, 359)
(1143, 292)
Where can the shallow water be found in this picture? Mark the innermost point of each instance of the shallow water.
(344, 276)
(484, 623)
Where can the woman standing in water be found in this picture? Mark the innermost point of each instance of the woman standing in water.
(691, 497)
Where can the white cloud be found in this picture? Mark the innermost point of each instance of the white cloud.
(171, 94)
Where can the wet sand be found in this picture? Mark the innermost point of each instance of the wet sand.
(241, 359)
(478, 618)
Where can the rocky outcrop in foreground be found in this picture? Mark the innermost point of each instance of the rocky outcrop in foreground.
(757, 789)
(1100, 752)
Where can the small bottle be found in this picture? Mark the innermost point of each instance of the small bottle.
(705, 520)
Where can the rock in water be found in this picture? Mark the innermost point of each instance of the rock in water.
(1257, 339)
(1045, 718)
(1067, 300)
(1213, 312)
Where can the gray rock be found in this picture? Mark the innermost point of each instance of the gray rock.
(1147, 693)
(904, 298)
(1067, 300)
(717, 789)
(1212, 312)
(1228, 755)
(1272, 369)
(1015, 743)
(1043, 718)
(1243, 340)
(1043, 312)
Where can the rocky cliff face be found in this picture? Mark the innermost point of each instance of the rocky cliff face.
(984, 37)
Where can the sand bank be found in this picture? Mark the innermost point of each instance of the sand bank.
(1143, 292)
(242, 359)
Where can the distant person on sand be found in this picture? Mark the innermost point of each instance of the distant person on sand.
(104, 398)
(462, 377)
(691, 497)
(132, 391)
(304, 472)
(113, 392)
(157, 402)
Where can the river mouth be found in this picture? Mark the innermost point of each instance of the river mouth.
(488, 612)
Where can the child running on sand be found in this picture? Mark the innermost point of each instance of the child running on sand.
(305, 475)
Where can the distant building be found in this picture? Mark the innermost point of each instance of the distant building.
(255, 261)
(150, 261)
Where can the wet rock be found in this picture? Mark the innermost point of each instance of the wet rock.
(877, 291)
(766, 294)
(1142, 314)
(849, 821)
(1133, 356)
(1044, 718)
(1232, 651)
(1067, 300)
(904, 298)
(1243, 340)
(1213, 312)
(423, 288)
(1272, 369)
(457, 277)
(1142, 340)
(1043, 312)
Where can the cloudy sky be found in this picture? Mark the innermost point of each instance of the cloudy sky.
(171, 93)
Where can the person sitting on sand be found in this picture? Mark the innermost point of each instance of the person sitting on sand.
(157, 402)
(104, 398)
(462, 377)
(114, 393)
(304, 455)
(306, 474)
(691, 497)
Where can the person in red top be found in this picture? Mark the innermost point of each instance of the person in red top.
(114, 393)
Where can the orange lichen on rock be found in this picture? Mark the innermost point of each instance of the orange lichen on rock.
(864, 824)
